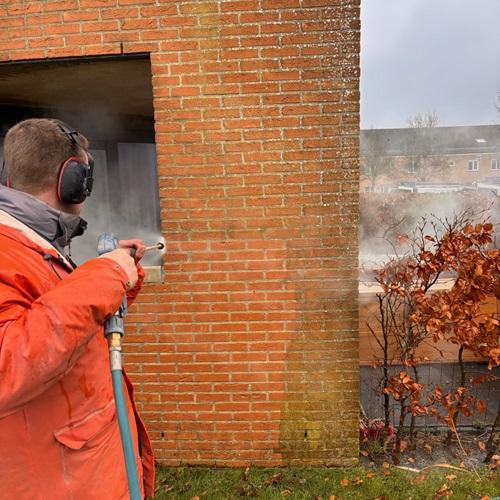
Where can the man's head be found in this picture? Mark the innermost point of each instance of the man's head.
(34, 152)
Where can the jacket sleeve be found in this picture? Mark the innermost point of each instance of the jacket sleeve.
(132, 294)
(40, 340)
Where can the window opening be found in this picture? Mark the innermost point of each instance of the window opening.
(114, 111)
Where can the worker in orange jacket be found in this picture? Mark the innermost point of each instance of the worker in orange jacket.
(59, 437)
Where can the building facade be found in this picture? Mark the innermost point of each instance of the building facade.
(246, 350)
(438, 159)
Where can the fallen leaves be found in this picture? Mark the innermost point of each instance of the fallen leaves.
(344, 482)
(417, 480)
(275, 479)
(494, 462)
(443, 492)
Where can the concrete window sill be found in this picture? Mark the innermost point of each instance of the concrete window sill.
(154, 274)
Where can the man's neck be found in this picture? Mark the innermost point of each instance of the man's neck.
(51, 199)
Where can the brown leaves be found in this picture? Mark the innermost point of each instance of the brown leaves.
(443, 492)
(494, 463)
(344, 482)
(404, 388)
(418, 479)
(451, 314)
(275, 479)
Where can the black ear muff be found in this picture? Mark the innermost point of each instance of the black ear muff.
(75, 180)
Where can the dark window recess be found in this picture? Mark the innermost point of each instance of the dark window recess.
(109, 100)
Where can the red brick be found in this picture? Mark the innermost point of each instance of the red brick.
(97, 3)
(59, 29)
(46, 42)
(280, 4)
(43, 19)
(126, 13)
(25, 8)
(50, 5)
(240, 6)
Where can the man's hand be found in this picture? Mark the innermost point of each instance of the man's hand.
(123, 258)
(135, 247)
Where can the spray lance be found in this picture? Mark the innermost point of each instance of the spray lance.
(114, 331)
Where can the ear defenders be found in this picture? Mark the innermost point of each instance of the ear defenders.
(76, 178)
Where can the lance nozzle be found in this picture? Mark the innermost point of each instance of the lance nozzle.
(158, 246)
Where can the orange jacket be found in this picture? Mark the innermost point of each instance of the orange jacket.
(59, 437)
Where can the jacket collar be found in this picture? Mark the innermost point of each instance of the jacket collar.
(56, 227)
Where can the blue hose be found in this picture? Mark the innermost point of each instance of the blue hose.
(128, 449)
(113, 330)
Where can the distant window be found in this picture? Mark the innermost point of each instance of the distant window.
(495, 164)
(412, 167)
(473, 165)
(451, 163)
(368, 189)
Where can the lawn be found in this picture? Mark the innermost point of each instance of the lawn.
(323, 483)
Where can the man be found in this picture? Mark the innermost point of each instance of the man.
(59, 438)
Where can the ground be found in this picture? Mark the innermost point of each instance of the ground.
(323, 483)
(431, 471)
(430, 449)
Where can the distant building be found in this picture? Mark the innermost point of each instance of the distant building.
(433, 159)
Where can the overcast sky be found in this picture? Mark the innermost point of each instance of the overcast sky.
(429, 55)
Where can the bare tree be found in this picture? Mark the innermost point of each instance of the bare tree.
(374, 160)
(430, 119)
(423, 148)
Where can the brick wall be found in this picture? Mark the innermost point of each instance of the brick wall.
(248, 351)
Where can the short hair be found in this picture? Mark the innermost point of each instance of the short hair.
(34, 151)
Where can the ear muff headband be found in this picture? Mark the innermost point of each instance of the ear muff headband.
(76, 179)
